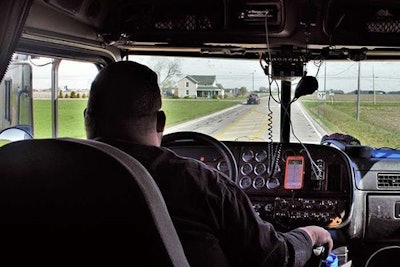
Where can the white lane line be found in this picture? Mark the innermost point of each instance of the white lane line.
(309, 119)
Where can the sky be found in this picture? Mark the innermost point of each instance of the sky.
(74, 75)
(235, 74)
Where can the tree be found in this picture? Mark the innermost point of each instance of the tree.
(263, 89)
(243, 91)
(166, 68)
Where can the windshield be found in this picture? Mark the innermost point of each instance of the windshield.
(360, 99)
(236, 100)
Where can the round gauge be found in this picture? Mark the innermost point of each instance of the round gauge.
(246, 169)
(287, 153)
(245, 182)
(261, 156)
(247, 155)
(258, 183)
(273, 183)
(260, 168)
(223, 166)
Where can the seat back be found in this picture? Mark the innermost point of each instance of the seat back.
(70, 200)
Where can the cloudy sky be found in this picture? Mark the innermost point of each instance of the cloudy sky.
(235, 74)
(72, 74)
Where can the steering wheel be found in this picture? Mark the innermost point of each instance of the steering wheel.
(186, 136)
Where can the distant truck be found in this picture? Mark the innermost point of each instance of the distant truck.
(253, 99)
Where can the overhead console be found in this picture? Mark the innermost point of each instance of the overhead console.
(362, 22)
(213, 21)
(312, 30)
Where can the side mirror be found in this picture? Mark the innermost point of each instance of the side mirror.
(13, 134)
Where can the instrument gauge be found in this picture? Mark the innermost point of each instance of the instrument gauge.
(273, 183)
(261, 156)
(258, 182)
(245, 182)
(247, 155)
(223, 166)
(260, 168)
(246, 169)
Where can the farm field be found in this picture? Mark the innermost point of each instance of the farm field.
(70, 114)
(378, 124)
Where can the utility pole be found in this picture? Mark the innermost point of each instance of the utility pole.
(358, 92)
(253, 80)
(325, 83)
(373, 84)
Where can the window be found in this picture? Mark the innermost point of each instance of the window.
(7, 104)
(74, 80)
(187, 84)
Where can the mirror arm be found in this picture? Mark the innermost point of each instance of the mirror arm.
(285, 111)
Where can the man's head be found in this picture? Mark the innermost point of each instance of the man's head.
(125, 103)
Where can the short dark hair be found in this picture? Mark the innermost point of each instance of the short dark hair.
(124, 89)
(123, 93)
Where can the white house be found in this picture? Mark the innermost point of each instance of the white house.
(199, 86)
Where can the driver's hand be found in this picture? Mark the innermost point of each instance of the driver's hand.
(319, 237)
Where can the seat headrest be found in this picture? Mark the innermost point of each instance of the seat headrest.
(82, 195)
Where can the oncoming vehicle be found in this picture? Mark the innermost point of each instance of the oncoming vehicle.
(253, 99)
(305, 155)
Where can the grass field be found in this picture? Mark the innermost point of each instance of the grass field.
(70, 115)
(378, 124)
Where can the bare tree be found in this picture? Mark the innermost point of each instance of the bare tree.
(166, 68)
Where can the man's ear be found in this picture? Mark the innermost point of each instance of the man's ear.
(161, 118)
(84, 113)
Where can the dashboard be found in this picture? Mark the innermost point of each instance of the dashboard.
(289, 184)
(350, 191)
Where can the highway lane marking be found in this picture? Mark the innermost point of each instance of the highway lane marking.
(305, 114)
(252, 125)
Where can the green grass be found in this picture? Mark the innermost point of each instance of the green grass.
(70, 118)
(71, 122)
(378, 124)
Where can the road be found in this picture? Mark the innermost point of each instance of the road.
(253, 122)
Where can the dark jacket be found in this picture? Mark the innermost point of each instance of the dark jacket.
(213, 217)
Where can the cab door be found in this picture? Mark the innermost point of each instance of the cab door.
(15, 101)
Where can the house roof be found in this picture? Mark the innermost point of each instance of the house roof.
(203, 80)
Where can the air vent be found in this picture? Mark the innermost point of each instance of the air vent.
(384, 21)
(185, 16)
(185, 22)
(388, 181)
